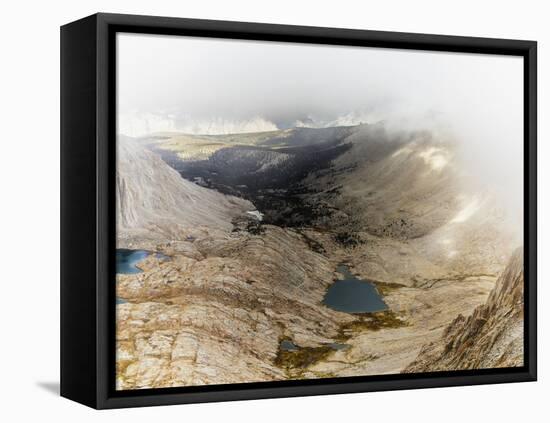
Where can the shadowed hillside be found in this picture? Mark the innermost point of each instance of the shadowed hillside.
(154, 201)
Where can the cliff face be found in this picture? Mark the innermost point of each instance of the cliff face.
(154, 201)
(492, 336)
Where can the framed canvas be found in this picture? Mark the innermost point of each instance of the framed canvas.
(256, 211)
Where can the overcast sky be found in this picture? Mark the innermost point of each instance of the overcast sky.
(186, 80)
(201, 85)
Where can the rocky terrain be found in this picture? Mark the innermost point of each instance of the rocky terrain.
(492, 336)
(154, 202)
(397, 208)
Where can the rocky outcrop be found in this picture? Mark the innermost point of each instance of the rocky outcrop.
(492, 336)
(217, 314)
(154, 201)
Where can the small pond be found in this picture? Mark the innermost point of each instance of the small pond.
(353, 295)
(126, 260)
(287, 345)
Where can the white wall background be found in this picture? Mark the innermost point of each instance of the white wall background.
(29, 178)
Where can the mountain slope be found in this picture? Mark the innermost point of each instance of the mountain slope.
(397, 208)
(366, 184)
(153, 200)
(492, 336)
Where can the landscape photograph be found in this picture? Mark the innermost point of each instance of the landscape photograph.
(291, 211)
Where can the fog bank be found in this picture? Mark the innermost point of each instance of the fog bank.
(208, 86)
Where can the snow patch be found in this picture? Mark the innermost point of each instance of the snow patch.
(404, 150)
(467, 212)
(256, 215)
(436, 158)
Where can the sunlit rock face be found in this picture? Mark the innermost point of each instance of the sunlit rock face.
(218, 317)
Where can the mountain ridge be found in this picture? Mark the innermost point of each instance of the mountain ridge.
(153, 200)
(492, 336)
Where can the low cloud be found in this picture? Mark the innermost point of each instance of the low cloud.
(209, 86)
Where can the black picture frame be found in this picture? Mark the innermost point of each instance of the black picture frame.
(88, 217)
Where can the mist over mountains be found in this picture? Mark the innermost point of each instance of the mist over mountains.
(217, 86)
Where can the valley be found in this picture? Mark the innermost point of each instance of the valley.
(246, 234)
